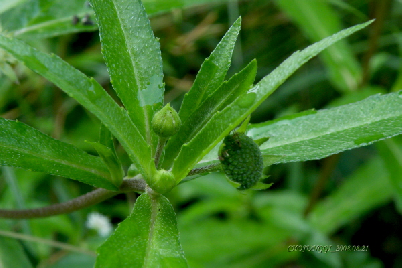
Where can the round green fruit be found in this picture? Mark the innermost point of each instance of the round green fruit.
(241, 160)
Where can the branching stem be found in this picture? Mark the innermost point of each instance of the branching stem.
(136, 184)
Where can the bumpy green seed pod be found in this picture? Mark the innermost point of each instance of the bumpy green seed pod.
(241, 160)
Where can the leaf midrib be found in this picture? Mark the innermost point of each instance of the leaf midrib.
(336, 131)
(136, 75)
(154, 211)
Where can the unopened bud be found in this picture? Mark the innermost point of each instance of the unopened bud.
(163, 181)
(166, 122)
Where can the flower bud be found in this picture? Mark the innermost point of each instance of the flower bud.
(166, 122)
(163, 181)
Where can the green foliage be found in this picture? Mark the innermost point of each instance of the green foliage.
(317, 20)
(32, 19)
(221, 98)
(90, 94)
(214, 218)
(149, 236)
(326, 132)
(222, 122)
(133, 58)
(211, 74)
(25, 147)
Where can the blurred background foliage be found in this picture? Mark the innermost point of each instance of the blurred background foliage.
(351, 198)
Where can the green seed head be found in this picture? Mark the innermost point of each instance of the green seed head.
(166, 122)
(241, 160)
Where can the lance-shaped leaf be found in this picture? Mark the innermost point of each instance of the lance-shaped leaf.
(221, 98)
(111, 161)
(133, 58)
(224, 121)
(25, 147)
(343, 67)
(106, 150)
(88, 93)
(147, 238)
(212, 72)
(334, 130)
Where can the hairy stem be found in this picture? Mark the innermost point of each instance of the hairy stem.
(136, 184)
(159, 150)
(209, 168)
(86, 200)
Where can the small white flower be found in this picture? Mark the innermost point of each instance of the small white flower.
(100, 223)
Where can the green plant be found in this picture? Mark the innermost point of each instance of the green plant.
(210, 110)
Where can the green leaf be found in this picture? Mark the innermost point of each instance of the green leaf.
(366, 189)
(147, 238)
(133, 58)
(111, 161)
(88, 93)
(106, 138)
(318, 20)
(334, 130)
(33, 19)
(224, 121)
(8, 71)
(25, 147)
(211, 74)
(222, 97)
(106, 150)
(261, 186)
(55, 27)
(12, 254)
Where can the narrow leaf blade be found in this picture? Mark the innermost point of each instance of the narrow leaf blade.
(212, 72)
(223, 122)
(334, 130)
(25, 147)
(344, 69)
(89, 94)
(133, 58)
(111, 162)
(147, 238)
(57, 18)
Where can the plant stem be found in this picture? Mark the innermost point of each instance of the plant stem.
(159, 150)
(209, 168)
(136, 184)
(47, 242)
(86, 200)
